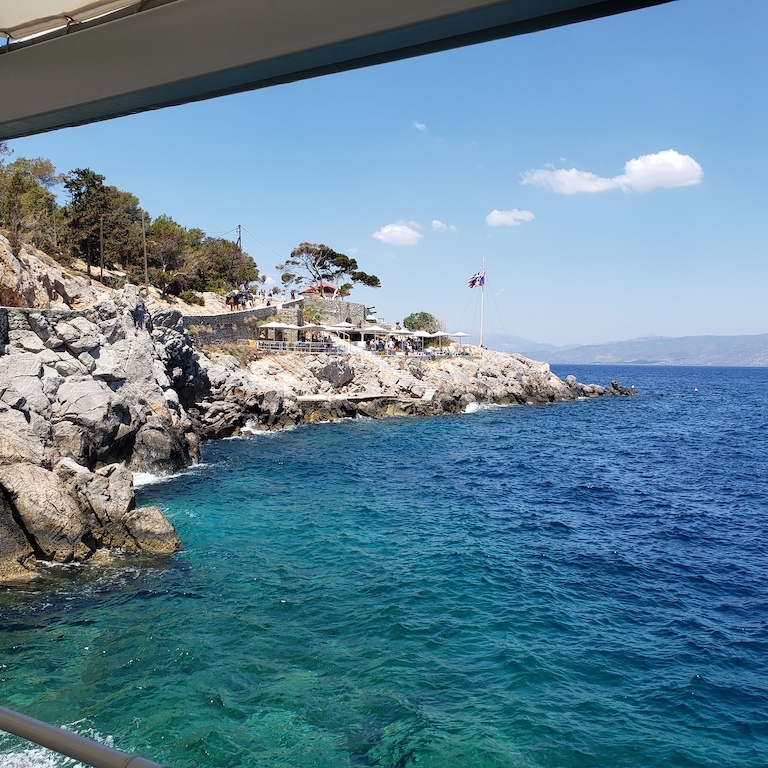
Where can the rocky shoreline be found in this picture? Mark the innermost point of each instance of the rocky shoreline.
(92, 394)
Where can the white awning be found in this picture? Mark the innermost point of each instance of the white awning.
(23, 19)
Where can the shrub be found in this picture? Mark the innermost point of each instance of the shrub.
(190, 297)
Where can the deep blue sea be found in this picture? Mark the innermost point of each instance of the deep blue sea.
(570, 585)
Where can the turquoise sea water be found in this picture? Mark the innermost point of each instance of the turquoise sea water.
(577, 584)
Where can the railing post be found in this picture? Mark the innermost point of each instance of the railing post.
(70, 744)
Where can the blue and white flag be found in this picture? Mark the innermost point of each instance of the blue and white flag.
(477, 280)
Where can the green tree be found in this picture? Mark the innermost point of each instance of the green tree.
(314, 264)
(27, 205)
(11, 211)
(219, 265)
(167, 244)
(122, 232)
(95, 207)
(423, 321)
(88, 203)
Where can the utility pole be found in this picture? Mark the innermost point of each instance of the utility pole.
(53, 214)
(101, 249)
(236, 256)
(146, 263)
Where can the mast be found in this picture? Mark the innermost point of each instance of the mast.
(482, 301)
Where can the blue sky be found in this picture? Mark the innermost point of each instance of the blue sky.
(611, 174)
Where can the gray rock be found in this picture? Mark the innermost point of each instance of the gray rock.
(17, 558)
(152, 532)
(337, 372)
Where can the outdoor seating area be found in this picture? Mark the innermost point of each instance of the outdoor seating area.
(314, 347)
(324, 339)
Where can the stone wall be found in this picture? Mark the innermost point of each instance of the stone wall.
(237, 326)
(339, 311)
(26, 318)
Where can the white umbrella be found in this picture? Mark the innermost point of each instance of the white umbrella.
(342, 329)
(400, 332)
(460, 335)
(374, 329)
(422, 335)
(439, 335)
(276, 326)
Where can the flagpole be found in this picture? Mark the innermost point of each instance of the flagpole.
(482, 303)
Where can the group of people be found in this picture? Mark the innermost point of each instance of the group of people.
(392, 346)
(244, 299)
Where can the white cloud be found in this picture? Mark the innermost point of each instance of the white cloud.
(667, 169)
(419, 126)
(353, 250)
(399, 233)
(513, 218)
(437, 224)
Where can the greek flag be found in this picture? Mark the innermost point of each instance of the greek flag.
(477, 280)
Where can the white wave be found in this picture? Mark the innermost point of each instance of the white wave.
(33, 756)
(148, 478)
(251, 429)
(472, 408)
(36, 757)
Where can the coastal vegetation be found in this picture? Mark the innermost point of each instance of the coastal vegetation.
(424, 321)
(99, 220)
(316, 264)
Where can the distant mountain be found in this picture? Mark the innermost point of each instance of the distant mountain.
(533, 349)
(660, 350)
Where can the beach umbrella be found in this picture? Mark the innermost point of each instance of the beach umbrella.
(342, 329)
(460, 335)
(439, 335)
(422, 335)
(277, 326)
(311, 327)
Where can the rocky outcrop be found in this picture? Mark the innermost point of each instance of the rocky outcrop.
(31, 278)
(96, 383)
(283, 390)
(86, 396)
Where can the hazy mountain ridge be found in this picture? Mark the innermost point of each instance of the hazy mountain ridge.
(661, 350)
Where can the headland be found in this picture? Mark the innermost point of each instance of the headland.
(98, 383)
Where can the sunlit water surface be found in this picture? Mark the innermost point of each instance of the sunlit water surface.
(578, 584)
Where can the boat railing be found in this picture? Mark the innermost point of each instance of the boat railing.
(70, 744)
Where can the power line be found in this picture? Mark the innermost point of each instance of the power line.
(264, 245)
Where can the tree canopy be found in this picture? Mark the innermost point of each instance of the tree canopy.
(316, 263)
(423, 321)
(180, 259)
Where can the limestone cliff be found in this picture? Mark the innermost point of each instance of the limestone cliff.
(96, 383)
(282, 390)
(86, 395)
